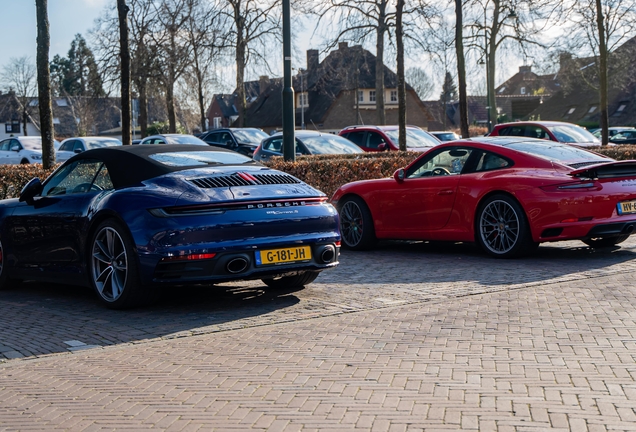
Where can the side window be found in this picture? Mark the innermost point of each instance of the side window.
(449, 161)
(5, 145)
(102, 181)
(225, 137)
(15, 142)
(78, 146)
(356, 137)
(535, 132)
(374, 140)
(490, 161)
(504, 131)
(74, 178)
(274, 145)
(67, 146)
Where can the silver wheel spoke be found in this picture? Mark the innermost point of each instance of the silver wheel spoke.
(109, 264)
(499, 226)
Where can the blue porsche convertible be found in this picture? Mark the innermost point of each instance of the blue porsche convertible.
(128, 219)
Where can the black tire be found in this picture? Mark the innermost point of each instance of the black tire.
(601, 242)
(501, 228)
(296, 281)
(113, 267)
(356, 224)
(24, 162)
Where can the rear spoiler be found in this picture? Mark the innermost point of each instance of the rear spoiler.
(616, 169)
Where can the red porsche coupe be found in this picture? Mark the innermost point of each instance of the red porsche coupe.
(506, 194)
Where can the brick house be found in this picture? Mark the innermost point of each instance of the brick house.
(576, 101)
(334, 93)
(223, 110)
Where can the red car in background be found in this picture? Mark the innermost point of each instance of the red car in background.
(549, 130)
(506, 194)
(381, 138)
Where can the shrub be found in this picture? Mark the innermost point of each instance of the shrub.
(14, 177)
(328, 172)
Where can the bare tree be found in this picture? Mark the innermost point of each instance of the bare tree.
(204, 28)
(399, 34)
(124, 50)
(421, 82)
(498, 24)
(461, 68)
(19, 76)
(44, 84)
(597, 29)
(254, 23)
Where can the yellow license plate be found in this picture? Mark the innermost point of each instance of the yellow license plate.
(283, 255)
(626, 207)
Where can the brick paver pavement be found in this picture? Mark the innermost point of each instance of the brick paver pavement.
(414, 339)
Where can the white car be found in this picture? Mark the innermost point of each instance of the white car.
(72, 146)
(22, 150)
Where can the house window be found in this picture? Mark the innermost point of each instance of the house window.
(592, 109)
(503, 89)
(393, 97)
(371, 95)
(522, 90)
(360, 96)
(620, 110)
(34, 102)
(571, 110)
(216, 121)
(61, 102)
(56, 120)
(12, 127)
(303, 100)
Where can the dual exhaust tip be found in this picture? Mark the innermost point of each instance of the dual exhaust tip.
(239, 264)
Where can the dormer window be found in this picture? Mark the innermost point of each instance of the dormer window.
(522, 90)
(592, 109)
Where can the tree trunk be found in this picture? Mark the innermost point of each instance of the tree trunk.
(25, 117)
(491, 52)
(239, 100)
(461, 69)
(400, 76)
(172, 118)
(379, 70)
(602, 49)
(124, 52)
(44, 84)
(143, 107)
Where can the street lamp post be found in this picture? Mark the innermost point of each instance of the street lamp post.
(302, 100)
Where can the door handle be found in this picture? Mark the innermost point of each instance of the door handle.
(445, 192)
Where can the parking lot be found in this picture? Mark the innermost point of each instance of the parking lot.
(409, 336)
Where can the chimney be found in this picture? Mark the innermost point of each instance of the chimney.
(312, 60)
(343, 45)
(263, 83)
(525, 69)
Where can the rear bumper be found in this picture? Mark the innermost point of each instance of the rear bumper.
(586, 230)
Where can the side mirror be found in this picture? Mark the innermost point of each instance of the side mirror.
(399, 175)
(30, 190)
(15, 148)
(382, 147)
(77, 151)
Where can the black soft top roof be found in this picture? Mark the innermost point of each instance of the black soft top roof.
(130, 164)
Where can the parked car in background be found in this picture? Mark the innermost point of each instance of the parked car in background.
(22, 150)
(626, 136)
(445, 135)
(128, 219)
(172, 139)
(72, 146)
(307, 143)
(382, 138)
(549, 130)
(505, 194)
(242, 140)
(611, 130)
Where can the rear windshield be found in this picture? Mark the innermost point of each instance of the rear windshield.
(557, 152)
(415, 138)
(330, 144)
(188, 159)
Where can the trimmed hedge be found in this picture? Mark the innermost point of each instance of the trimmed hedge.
(14, 177)
(324, 172)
